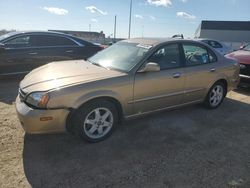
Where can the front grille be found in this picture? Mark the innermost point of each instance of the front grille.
(22, 94)
(245, 71)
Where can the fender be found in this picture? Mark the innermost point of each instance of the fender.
(97, 94)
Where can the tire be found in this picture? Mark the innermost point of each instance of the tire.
(215, 95)
(95, 121)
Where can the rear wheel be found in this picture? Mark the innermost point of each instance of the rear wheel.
(95, 121)
(215, 95)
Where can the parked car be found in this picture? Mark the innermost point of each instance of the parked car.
(20, 52)
(128, 79)
(243, 57)
(219, 46)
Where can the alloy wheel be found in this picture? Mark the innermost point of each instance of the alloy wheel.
(98, 123)
(216, 95)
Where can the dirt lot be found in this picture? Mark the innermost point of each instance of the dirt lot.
(188, 147)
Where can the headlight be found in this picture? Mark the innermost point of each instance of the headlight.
(38, 99)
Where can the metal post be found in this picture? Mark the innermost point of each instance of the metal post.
(115, 29)
(142, 33)
(130, 12)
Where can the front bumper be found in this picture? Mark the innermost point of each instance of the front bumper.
(36, 121)
(245, 73)
(244, 78)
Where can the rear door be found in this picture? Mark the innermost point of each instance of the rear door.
(50, 48)
(158, 90)
(199, 72)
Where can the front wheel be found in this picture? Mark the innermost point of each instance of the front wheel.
(215, 95)
(95, 121)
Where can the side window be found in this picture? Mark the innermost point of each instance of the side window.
(167, 57)
(18, 42)
(48, 40)
(195, 55)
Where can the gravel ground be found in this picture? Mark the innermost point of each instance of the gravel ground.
(188, 147)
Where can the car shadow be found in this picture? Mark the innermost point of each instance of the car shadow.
(127, 158)
(9, 90)
(243, 89)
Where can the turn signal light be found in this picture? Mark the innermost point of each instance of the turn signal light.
(49, 118)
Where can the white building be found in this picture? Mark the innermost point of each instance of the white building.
(233, 33)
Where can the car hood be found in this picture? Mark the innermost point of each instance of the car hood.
(59, 74)
(242, 56)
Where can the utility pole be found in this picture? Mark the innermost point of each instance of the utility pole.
(142, 34)
(130, 12)
(89, 27)
(115, 29)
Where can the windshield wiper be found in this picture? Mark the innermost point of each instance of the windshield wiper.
(97, 64)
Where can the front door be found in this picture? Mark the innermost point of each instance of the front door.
(15, 56)
(162, 89)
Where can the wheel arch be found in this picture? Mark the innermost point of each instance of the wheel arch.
(225, 83)
(111, 99)
(223, 80)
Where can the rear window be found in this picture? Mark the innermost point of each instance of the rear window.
(215, 44)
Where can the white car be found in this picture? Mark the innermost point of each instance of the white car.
(219, 46)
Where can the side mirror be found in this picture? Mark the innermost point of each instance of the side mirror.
(150, 67)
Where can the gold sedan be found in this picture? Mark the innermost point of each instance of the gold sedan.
(130, 78)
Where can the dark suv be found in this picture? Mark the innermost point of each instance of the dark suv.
(20, 52)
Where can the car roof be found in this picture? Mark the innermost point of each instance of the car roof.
(208, 39)
(17, 33)
(156, 41)
(37, 32)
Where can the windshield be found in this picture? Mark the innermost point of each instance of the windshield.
(247, 47)
(2, 37)
(122, 56)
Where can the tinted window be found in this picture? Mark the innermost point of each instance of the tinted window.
(195, 55)
(167, 57)
(22, 41)
(5, 36)
(48, 40)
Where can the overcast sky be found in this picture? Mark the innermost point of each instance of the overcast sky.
(150, 18)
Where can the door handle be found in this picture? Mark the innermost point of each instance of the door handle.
(212, 70)
(177, 75)
(69, 51)
(33, 53)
